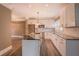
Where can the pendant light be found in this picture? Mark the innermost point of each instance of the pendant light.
(37, 18)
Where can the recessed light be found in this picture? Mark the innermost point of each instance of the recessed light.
(29, 6)
(46, 5)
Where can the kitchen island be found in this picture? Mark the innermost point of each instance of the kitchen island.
(31, 47)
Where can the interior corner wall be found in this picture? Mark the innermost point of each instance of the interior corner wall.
(5, 17)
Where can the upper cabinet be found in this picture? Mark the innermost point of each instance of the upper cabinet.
(70, 15)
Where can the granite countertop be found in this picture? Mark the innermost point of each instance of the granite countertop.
(69, 37)
(65, 36)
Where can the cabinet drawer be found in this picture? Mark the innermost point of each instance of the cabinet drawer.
(58, 39)
(62, 46)
(53, 39)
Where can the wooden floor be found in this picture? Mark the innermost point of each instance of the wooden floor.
(47, 48)
(53, 49)
(17, 47)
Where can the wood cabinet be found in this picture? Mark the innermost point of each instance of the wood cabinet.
(31, 28)
(69, 15)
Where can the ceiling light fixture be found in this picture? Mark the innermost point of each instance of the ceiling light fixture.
(37, 17)
(46, 5)
(29, 6)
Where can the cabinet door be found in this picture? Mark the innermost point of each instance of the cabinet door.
(72, 48)
(31, 28)
(62, 46)
(53, 39)
(57, 42)
(70, 15)
(77, 14)
(62, 18)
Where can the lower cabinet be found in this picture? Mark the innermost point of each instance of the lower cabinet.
(72, 47)
(62, 46)
(66, 47)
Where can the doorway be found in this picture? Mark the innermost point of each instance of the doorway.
(31, 30)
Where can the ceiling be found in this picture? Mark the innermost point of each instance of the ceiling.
(34, 10)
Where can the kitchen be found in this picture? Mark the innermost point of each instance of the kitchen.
(36, 24)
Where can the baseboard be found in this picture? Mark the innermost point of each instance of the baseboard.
(5, 50)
